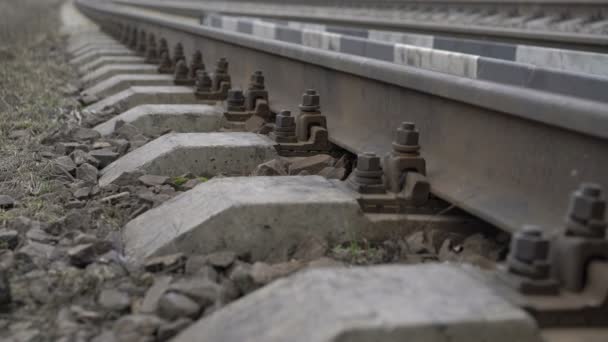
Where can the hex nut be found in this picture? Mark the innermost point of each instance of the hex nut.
(368, 162)
(235, 96)
(407, 134)
(284, 119)
(257, 79)
(586, 208)
(311, 99)
(529, 245)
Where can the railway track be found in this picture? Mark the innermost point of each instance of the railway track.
(504, 140)
(570, 25)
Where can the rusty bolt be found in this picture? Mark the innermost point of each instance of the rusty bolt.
(284, 119)
(407, 134)
(257, 80)
(151, 39)
(235, 98)
(368, 161)
(310, 101)
(221, 65)
(203, 81)
(529, 245)
(181, 70)
(587, 204)
(197, 57)
(178, 52)
(163, 45)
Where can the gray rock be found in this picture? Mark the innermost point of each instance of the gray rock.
(161, 263)
(263, 273)
(114, 300)
(105, 156)
(154, 293)
(479, 245)
(417, 243)
(331, 172)
(168, 330)
(38, 235)
(87, 99)
(254, 124)
(127, 131)
(39, 289)
(84, 134)
(197, 264)
(200, 289)
(5, 290)
(275, 167)
(138, 141)
(127, 178)
(222, 259)
(6, 202)
(240, 274)
(9, 239)
(137, 328)
(173, 305)
(82, 193)
(80, 157)
(66, 148)
(105, 336)
(190, 184)
(64, 163)
(152, 180)
(82, 255)
(87, 173)
(312, 165)
(121, 146)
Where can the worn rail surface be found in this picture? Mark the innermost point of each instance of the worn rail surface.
(579, 25)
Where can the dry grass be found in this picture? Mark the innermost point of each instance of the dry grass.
(32, 69)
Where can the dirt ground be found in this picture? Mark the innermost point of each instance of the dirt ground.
(33, 70)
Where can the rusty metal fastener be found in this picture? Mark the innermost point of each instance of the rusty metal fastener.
(366, 178)
(133, 40)
(529, 253)
(196, 64)
(310, 101)
(126, 35)
(163, 46)
(235, 100)
(586, 212)
(181, 71)
(165, 66)
(221, 66)
(141, 44)
(310, 114)
(178, 53)
(151, 51)
(406, 138)
(203, 82)
(256, 92)
(256, 80)
(285, 128)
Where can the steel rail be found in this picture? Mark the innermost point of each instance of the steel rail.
(508, 155)
(547, 38)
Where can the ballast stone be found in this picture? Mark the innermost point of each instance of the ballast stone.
(152, 120)
(107, 71)
(262, 216)
(118, 83)
(139, 95)
(417, 303)
(203, 154)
